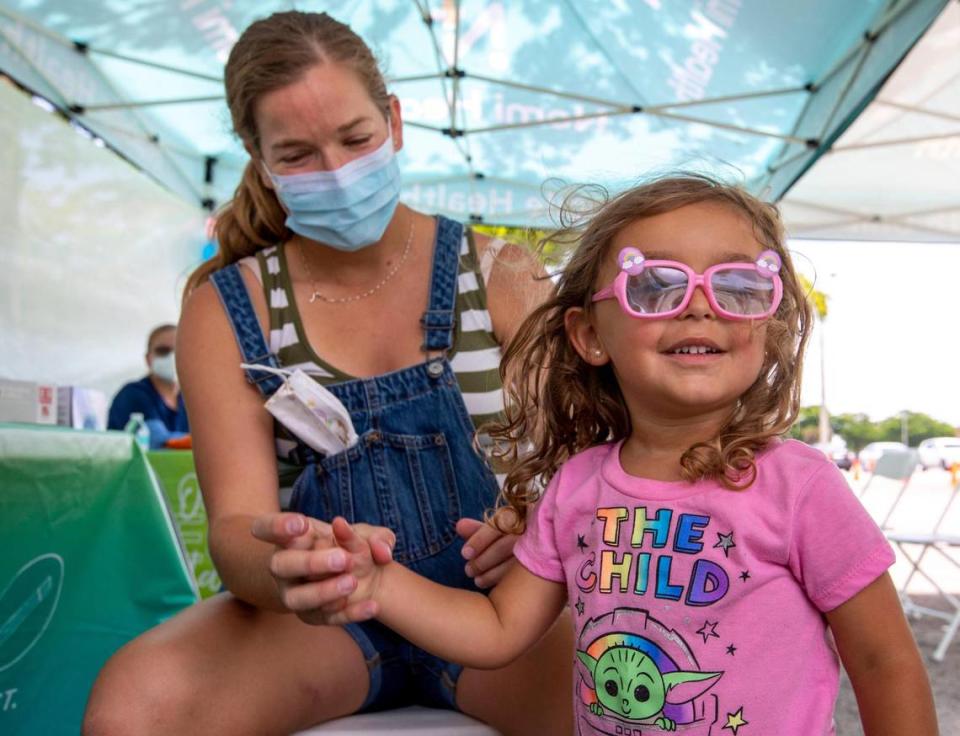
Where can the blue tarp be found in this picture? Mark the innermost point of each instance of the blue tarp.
(502, 102)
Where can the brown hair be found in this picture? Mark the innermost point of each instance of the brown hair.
(156, 332)
(558, 405)
(270, 54)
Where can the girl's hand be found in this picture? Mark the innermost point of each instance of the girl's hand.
(489, 551)
(311, 572)
(365, 574)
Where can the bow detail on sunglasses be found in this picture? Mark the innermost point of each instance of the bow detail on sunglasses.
(631, 261)
(769, 263)
(659, 289)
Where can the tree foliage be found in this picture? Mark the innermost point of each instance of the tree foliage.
(806, 427)
(818, 299)
(536, 240)
(858, 430)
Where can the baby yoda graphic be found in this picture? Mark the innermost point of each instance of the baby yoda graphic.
(637, 675)
(628, 684)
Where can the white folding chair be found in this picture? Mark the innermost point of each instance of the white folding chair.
(896, 465)
(941, 544)
(414, 720)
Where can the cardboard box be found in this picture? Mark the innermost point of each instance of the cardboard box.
(81, 408)
(26, 401)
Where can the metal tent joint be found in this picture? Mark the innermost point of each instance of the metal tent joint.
(208, 165)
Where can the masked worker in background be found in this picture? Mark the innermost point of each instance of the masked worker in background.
(157, 395)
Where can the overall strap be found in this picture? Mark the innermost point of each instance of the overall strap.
(232, 291)
(440, 318)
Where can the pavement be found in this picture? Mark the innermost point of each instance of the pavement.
(944, 680)
(926, 496)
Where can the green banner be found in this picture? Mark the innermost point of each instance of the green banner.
(178, 478)
(89, 561)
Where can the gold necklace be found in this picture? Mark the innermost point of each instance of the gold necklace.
(369, 292)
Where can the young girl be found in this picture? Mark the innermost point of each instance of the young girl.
(714, 571)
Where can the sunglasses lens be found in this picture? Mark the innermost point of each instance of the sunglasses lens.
(656, 290)
(742, 291)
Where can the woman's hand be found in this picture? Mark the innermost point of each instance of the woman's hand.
(312, 572)
(488, 550)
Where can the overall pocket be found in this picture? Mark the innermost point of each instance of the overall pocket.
(417, 488)
(404, 482)
(325, 489)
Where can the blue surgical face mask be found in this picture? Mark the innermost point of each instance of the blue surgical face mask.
(348, 208)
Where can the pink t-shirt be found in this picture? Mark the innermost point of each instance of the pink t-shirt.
(700, 607)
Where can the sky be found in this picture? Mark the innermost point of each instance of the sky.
(891, 339)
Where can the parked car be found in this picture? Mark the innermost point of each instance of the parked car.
(837, 451)
(939, 452)
(871, 453)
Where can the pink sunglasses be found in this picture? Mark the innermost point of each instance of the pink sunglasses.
(663, 289)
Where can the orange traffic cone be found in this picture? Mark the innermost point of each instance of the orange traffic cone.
(954, 471)
(856, 469)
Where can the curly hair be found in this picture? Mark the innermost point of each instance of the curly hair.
(559, 405)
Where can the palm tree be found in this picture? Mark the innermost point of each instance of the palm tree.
(818, 300)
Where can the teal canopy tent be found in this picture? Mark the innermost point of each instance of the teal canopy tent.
(502, 101)
(895, 173)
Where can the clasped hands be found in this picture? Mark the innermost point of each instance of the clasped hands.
(318, 566)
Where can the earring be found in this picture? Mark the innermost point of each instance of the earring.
(597, 352)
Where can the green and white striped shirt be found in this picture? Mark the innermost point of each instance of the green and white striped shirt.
(474, 357)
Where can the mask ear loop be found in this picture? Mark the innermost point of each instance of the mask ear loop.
(266, 369)
(283, 372)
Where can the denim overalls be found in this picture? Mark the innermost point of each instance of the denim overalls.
(414, 470)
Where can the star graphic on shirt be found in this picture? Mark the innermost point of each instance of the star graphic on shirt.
(581, 542)
(579, 606)
(725, 542)
(707, 630)
(744, 576)
(731, 650)
(735, 720)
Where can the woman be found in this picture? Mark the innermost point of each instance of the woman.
(408, 313)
